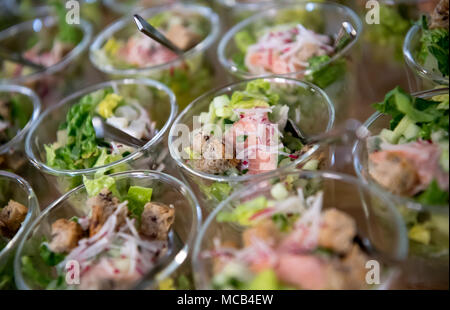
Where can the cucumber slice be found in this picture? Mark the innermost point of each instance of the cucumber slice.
(411, 132)
(387, 135)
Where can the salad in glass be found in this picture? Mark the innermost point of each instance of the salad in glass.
(293, 231)
(246, 129)
(121, 50)
(124, 231)
(63, 141)
(296, 40)
(426, 47)
(407, 156)
(18, 207)
(47, 41)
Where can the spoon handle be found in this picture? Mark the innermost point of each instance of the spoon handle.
(112, 133)
(153, 33)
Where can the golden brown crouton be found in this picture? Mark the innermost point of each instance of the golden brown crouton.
(182, 37)
(65, 236)
(337, 231)
(12, 217)
(103, 205)
(156, 220)
(213, 157)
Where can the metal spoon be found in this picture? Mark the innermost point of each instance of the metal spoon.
(152, 32)
(347, 132)
(106, 131)
(18, 58)
(345, 35)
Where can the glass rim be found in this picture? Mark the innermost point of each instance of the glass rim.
(358, 167)
(228, 65)
(36, 102)
(413, 64)
(178, 259)
(33, 208)
(38, 163)
(218, 178)
(402, 251)
(238, 5)
(48, 20)
(119, 24)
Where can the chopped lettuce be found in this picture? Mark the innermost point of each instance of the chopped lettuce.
(243, 39)
(256, 94)
(31, 273)
(403, 108)
(80, 150)
(49, 257)
(265, 280)
(433, 195)
(94, 186)
(242, 214)
(137, 198)
(217, 191)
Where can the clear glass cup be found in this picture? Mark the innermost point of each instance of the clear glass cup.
(313, 103)
(55, 79)
(153, 155)
(379, 225)
(429, 262)
(166, 189)
(188, 76)
(323, 18)
(422, 77)
(32, 105)
(12, 153)
(14, 187)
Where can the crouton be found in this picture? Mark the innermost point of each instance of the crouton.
(65, 236)
(156, 220)
(11, 217)
(103, 205)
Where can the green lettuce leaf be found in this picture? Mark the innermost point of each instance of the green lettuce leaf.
(242, 213)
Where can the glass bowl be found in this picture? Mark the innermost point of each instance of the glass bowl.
(151, 156)
(14, 187)
(188, 76)
(425, 76)
(55, 77)
(432, 259)
(310, 101)
(166, 189)
(379, 226)
(32, 108)
(323, 18)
